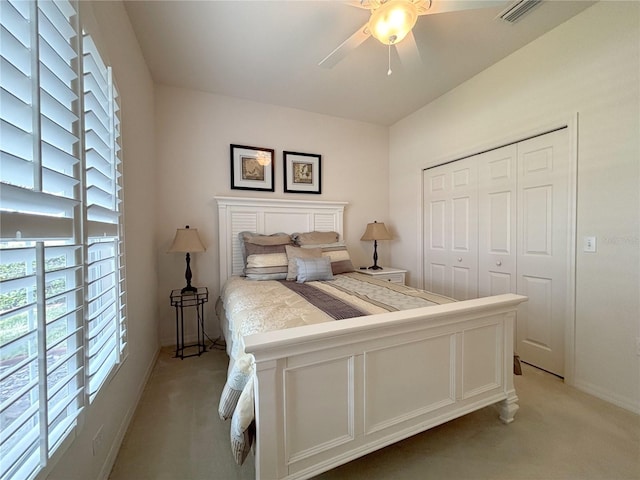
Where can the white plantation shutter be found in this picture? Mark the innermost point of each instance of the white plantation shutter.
(105, 301)
(122, 278)
(62, 308)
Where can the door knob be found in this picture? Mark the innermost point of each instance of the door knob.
(459, 259)
(499, 262)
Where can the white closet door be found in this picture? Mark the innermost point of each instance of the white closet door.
(451, 235)
(543, 249)
(497, 178)
(498, 222)
(437, 195)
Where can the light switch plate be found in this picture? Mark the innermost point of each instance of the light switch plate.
(589, 244)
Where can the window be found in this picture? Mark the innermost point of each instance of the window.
(106, 318)
(62, 282)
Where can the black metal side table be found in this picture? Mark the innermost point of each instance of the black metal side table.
(181, 301)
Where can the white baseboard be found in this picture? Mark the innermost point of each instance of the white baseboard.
(607, 396)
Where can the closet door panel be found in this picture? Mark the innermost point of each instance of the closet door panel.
(450, 247)
(437, 245)
(499, 283)
(543, 249)
(437, 187)
(464, 229)
(497, 177)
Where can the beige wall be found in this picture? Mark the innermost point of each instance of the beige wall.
(194, 131)
(114, 406)
(590, 66)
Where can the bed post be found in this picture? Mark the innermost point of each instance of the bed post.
(509, 406)
(268, 441)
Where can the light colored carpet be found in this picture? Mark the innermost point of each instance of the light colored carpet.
(558, 433)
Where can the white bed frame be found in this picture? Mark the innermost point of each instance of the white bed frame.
(329, 393)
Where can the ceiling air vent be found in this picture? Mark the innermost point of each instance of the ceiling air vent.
(516, 10)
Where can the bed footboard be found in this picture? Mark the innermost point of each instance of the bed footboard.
(329, 393)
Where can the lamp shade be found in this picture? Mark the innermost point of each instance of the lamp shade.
(186, 240)
(376, 231)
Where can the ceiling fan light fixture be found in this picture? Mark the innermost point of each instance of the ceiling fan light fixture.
(393, 20)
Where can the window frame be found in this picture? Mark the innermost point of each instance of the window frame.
(60, 295)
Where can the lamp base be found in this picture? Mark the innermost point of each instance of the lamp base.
(375, 267)
(189, 289)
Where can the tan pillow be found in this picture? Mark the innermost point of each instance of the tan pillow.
(314, 238)
(297, 252)
(275, 239)
(340, 259)
(252, 243)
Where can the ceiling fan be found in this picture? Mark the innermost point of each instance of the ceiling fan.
(391, 23)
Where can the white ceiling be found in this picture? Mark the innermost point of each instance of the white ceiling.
(268, 51)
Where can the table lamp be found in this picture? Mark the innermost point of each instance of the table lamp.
(376, 231)
(187, 241)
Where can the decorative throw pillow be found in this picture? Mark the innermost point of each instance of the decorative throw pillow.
(297, 252)
(259, 239)
(340, 259)
(241, 431)
(267, 266)
(236, 381)
(252, 238)
(312, 269)
(339, 255)
(254, 244)
(314, 238)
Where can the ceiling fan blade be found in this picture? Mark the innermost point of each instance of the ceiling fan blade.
(409, 53)
(444, 6)
(345, 48)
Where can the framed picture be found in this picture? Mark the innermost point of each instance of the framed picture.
(302, 172)
(252, 168)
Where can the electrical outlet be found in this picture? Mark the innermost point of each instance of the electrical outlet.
(97, 441)
(589, 244)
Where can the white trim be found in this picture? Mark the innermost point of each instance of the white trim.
(607, 395)
(570, 325)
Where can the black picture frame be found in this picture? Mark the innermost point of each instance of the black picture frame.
(252, 168)
(302, 172)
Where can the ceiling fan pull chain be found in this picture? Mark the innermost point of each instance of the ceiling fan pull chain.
(389, 72)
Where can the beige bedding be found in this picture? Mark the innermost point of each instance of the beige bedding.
(251, 307)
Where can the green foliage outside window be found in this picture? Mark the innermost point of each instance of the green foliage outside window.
(14, 326)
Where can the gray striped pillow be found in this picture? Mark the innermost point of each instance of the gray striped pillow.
(260, 252)
(312, 269)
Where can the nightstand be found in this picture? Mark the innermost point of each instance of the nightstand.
(395, 275)
(181, 301)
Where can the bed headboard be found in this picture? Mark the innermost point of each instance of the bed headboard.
(268, 216)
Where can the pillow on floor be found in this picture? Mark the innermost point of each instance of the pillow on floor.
(242, 433)
(236, 381)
